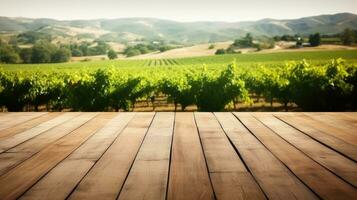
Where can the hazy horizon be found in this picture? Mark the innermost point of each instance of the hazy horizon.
(183, 10)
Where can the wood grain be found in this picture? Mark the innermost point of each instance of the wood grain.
(189, 179)
(230, 178)
(13, 187)
(342, 146)
(274, 178)
(62, 179)
(310, 172)
(149, 175)
(23, 151)
(107, 176)
(335, 162)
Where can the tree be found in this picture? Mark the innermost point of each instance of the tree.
(26, 55)
(77, 52)
(315, 40)
(220, 51)
(164, 48)
(347, 37)
(112, 54)
(84, 49)
(247, 41)
(61, 55)
(211, 46)
(8, 54)
(42, 52)
(132, 52)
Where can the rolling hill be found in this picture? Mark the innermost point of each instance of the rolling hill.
(131, 29)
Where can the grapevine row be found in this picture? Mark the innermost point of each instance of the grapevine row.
(330, 87)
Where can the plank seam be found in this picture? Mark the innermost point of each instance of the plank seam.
(63, 158)
(204, 156)
(44, 146)
(40, 132)
(287, 167)
(45, 113)
(95, 162)
(170, 158)
(240, 156)
(317, 139)
(27, 122)
(326, 133)
(323, 166)
(137, 152)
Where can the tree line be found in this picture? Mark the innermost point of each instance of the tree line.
(346, 37)
(139, 49)
(46, 52)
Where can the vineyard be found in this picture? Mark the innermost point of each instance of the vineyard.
(211, 62)
(310, 86)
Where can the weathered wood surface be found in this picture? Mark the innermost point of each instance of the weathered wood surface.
(178, 156)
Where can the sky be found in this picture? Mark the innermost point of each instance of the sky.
(179, 10)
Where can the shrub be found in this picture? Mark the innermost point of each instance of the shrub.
(315, 40)
(220, 51)
(112, 54)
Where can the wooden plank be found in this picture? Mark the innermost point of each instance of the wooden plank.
(107, 176)
(335, 162)
(327, 129)
(62, 179)
(38, 165)
(189, 177)
(336, 120)
(310, 172)
(352, 115)
(148, 176)
(230, 178)
(17, 139)
(333, 142)
(274, 178)
(13, 119)
(5, 133)
(9, 116)
(23, 151)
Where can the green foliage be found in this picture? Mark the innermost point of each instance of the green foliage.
(61, 55)
(321, 88)
(14, 91)
(165, 48)
(100, 49)
(313, 86)
(31, 37)
(89, 93)
(112, 54)
(352, 80)
(89, 49)
(211, 46)
(121, 91)
(26, 55)
(315, 39)
(178, 90)
(132, 52)
(42, 52)
(8, 54)
(213, 93)
(347, 37)
(145, 48)
(77, 53)
(220, 52)
(247, 41)
(287, 38)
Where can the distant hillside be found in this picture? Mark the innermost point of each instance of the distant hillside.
(131, 29)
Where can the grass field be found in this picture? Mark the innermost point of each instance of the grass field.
(211, 62)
